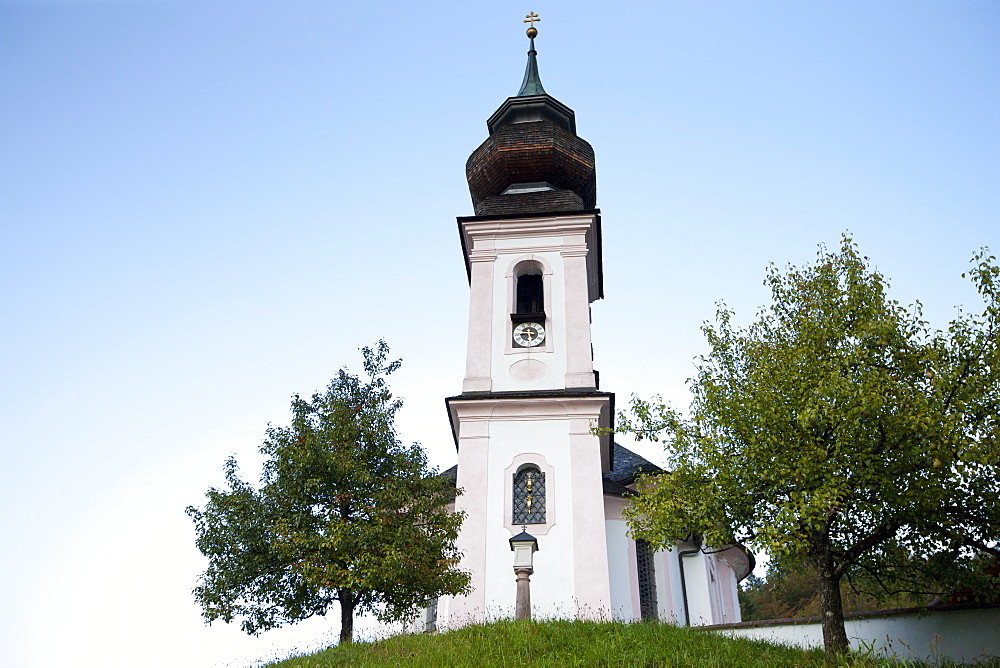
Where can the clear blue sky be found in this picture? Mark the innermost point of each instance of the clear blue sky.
(207, 206)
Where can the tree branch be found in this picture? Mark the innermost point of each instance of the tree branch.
(880, 535)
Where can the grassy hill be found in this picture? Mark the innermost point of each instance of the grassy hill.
(568, 643)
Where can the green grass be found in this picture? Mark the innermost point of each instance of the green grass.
(569, 643)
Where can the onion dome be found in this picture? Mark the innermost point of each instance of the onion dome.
(533, 161)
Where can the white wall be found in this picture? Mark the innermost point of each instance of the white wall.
(553, 577)
(548, 370)
(621, 561)
(728, 592)
(963, 636)
(564, 248)
(667, 582)
(699, 589)
(570, 567)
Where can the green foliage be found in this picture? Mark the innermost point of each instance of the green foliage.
(344, 513)
(838, 430)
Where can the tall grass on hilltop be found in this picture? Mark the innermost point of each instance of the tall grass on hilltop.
(572, 643)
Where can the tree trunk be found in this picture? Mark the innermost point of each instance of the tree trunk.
(346, 616)
(832, 610)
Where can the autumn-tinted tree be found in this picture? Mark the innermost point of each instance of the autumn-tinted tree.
(344, 512)
(841, 431)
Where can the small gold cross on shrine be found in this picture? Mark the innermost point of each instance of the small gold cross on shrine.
(531, 18)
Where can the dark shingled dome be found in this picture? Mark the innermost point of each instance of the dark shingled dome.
(532, 145)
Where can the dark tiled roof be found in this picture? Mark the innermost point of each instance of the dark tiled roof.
(615, 488)
(451, 474)
(627, 466)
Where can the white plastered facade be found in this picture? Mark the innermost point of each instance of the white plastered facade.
(538, 406)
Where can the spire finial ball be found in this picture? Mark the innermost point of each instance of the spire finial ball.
(532, 32)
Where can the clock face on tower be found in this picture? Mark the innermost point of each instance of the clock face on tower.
(528, 334)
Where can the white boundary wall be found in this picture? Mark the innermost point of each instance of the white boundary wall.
(960, 635)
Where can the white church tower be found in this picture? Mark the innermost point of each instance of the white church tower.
(524, 422)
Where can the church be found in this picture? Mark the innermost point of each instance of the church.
(530, 464)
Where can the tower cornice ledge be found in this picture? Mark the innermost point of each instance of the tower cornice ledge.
(573, 234)
(529, 394)
(517, 216)
(591, 406)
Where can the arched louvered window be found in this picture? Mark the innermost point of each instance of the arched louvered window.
(529, 496)
(647, 580)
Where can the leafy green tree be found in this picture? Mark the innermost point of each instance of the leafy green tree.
(344, 513)
(841, 431)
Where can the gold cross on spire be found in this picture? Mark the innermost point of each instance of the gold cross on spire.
(531, 18)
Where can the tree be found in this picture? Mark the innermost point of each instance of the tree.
(344, 513)
(838, 430)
